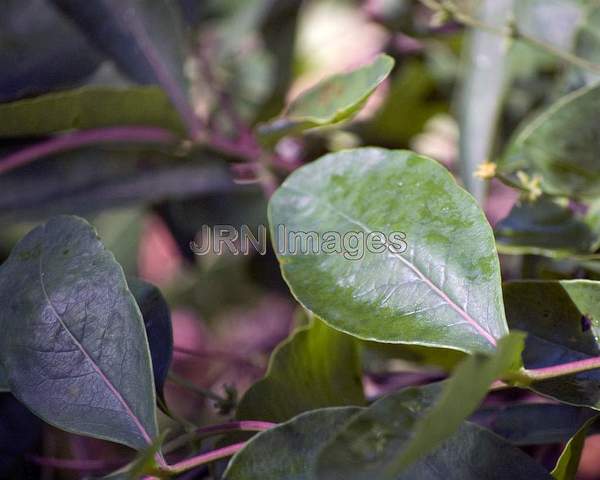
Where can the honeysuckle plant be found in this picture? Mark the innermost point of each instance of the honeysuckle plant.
(87, 347)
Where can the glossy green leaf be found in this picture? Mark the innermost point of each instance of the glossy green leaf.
(562, 319)
(482, 91)
(74, 344)
(543, 227)
(370, 441)
(330, 101)
(560, 145)
(567, 464)
(88, 107)
(315, 367)
(443, 290)
(288, 450)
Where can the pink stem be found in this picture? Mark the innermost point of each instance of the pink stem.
(570, 368)
(82, 138)
(205, 458)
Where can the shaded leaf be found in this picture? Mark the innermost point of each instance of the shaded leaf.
(561, 145)
(331, 101)
(533, 423)
(444, 290)
(562, 319)
(40, 50)
(543, 227)
(3, 380)
(482, 91)
(365, 446)
(159, 331)
(74, 345)
(297, 443)
(568, 463)
(91, 180)
(315, 367)
(88, 107)
(145, 38)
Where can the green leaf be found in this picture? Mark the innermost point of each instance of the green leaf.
(560, 145)
(443, 291)
(482, 91)
(562, 319)
(543, 227)
(460, 397)
(315, 367)
(333, 100)
(88, 107)
(288, 450)
(368, 443)
(567, 464)
(74, 344)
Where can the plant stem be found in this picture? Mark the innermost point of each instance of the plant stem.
(241, 426)
(185, 383)
(555, 371)
(82, 138)
(203, 459)
(450, 8)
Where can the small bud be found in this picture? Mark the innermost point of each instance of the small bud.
(486, 171)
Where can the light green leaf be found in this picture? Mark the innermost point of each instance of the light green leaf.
(482, 91)
(296, 442)
(74, 344)
(88, 107)
(315, 367)
(439, 288)
(543, 227)
(561, 146)
(335, 99)
(567, 464)
(562, 319)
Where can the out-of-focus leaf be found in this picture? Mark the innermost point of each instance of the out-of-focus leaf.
(3, 380)
(543, 227)
(568, 463)
(145, 38)
(159, 331)
(482, 91)
(316, 367)
(90, 180)
(533, 423)
(331, 101)
(40, 51)
(74, 345)
(364, 447)
(562, 319)
(561, 146)
(440, 288)
(409, 93)
(88, 107)
(297, 443)
(20, 432)
(587, 45)
(551, 21)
